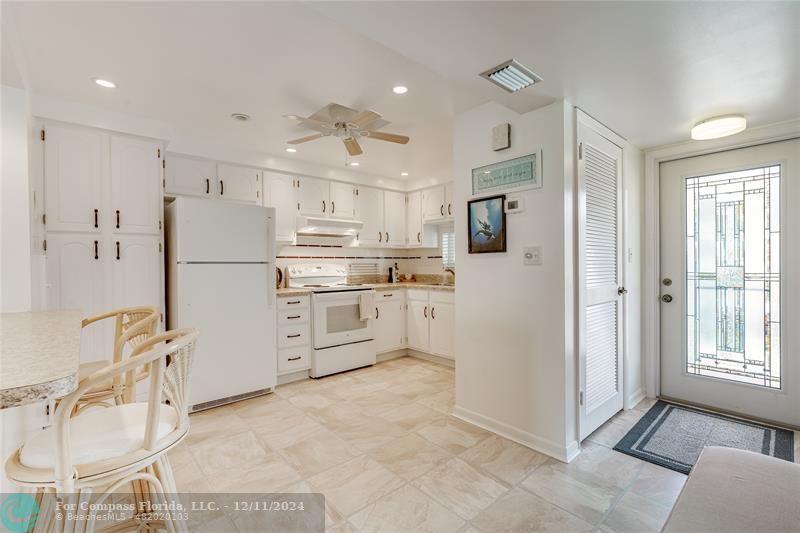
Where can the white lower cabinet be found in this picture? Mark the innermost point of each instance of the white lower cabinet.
(417, 319)
(390, 320)
(442, 323)
(135, 271)
(294, 334)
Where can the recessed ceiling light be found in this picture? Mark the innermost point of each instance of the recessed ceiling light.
(291, 150)
(404, 173)
(290, 117)
(716, 127)
(241, 117)
(105, 83)
(511, 76)
(354, 164)
(400, 89)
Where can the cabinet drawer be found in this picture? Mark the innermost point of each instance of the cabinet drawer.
(294, 316)
(394, 295)
(443, 297)
(293, 302)
(293, 359)
(293, 336)
(418, 294)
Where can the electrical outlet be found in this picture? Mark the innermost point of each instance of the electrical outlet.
(532, 255)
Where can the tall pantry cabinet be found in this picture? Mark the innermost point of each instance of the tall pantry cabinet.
(103, 206)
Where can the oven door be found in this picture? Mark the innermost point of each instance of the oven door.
(337, 319)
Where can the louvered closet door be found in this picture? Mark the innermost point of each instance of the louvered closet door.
(600, 190)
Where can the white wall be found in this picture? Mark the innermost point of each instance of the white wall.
(515, 336)
(633, 199)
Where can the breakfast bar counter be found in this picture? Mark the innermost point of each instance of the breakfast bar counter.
(39, 356)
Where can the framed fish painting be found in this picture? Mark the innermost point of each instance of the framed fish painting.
(486, 218)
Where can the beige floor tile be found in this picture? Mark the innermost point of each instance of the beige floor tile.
(441, 401)
(214, 424)
(356, 389)
(337, 414)
(313, 400)
(503, 458)
(410, 456)
(272, 474)
(379, 402)
(184, 466)
(461, 488)
(226, 453)
(600, 465)
(609, 434)
(354, 484)
(273, 415)
(658, 484)
(519, 510)
(332, 515)
(255, 407)
(586, 500)
(411, 416)
(646, 404)
(453, 435)
(321, 451)
(289, 431)
(406, 509)
(369, 433)
(634, 514)
(342, 527)
(298, 387)
(413, 389)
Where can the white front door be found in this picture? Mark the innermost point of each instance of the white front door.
(730, 289)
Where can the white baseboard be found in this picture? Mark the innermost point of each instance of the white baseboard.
(294, 376)
(519, 436)
(388, 356)
(444, 361)
(634, 399)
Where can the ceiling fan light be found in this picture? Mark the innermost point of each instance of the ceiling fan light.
(354, 164)
(404, 173)
(718, 127)
(291, 150)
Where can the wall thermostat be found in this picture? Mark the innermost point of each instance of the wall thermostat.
(514, 204)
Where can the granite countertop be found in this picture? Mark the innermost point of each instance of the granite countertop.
(40, 356)
(378, 287)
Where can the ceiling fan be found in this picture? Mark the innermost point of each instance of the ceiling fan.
(348, 125)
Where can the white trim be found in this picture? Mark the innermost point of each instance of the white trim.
(651, 286)
(634, 399)
(562, 453)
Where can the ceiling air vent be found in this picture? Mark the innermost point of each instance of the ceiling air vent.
(511, 76)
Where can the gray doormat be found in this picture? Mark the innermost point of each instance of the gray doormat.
(673, 436)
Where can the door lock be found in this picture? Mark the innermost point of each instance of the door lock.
(667, 282)
(667, 298)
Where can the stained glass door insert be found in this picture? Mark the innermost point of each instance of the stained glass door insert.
(733, 276)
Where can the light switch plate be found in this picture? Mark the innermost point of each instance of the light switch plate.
(532, 255)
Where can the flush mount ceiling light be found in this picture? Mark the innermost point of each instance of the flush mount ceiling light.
(105, 83)
(353, 164)
(399, 89)
(717, 127)
(291, 150)
(511, 76)
(404, 173)
(241, 117)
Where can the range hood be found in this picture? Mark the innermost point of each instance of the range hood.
(327, 227)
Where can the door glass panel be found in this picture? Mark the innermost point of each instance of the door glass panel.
(344, 317)
(733, 276)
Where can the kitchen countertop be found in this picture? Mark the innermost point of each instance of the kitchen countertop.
(378, 287)
(40, 356)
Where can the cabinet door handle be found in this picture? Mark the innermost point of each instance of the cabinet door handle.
(294, 358)
(449, 209)
(333, 207)
(323, 206)
(387, 295)
(293, 317)
(425, 311)
(387, 236)
(377, 314)
(433, 312)
(380, 236)
(96, 255)
(293, 336)
(441, 209)
(208, 185)
(117, 218)
(419, 237)
(95, 218)
(293, 302)
(117, 250)
(221, 187)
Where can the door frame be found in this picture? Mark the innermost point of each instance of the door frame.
(651, 281)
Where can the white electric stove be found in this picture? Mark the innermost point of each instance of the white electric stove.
(342, 317)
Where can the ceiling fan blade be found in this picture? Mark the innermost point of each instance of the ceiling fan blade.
(391, 137)
(365, 118)
(306, 139)
(353, 148)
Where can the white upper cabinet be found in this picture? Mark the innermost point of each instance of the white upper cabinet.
(448, 201)
(343, 200)
(370, 210)
(75, 162)
(240, 184)
(190, 176)
(395, 219)
(433, 204)
(135, 184)
(414, 219)
(312, 195)
(135, 271)
(279, 192)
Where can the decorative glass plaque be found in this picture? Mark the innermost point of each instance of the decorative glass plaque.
(520, 173)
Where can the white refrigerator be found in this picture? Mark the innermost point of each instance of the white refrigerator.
(221, 281)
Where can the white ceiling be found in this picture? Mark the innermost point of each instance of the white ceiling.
(649, 70)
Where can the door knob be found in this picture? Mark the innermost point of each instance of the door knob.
(667, 298)
(622, 290)
(667, 282)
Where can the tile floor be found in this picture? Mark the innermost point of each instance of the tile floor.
(382, 447)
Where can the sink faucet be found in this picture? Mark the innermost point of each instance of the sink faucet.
(452, 271)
